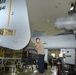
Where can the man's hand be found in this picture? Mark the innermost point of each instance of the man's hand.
(33, 44)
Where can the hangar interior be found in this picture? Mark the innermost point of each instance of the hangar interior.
(53, 21)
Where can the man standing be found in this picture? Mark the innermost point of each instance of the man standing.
(41, 53)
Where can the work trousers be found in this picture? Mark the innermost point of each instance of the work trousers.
(41, 63)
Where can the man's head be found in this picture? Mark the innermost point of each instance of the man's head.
(37, 40)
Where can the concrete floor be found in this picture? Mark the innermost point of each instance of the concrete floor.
(18, 74)
(50, 71)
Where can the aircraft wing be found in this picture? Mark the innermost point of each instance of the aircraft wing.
(14, 24)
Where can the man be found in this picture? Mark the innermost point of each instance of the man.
(40, 49)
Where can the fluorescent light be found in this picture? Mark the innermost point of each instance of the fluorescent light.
(60, 55)
(53, 54)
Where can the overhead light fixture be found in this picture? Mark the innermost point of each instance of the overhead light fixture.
(71, 8)
(48, 20)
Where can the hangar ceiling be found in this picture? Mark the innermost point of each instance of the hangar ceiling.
(43, 13)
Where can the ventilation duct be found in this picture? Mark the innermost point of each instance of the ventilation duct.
(67, 23)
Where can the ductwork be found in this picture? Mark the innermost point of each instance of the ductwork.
(67, 23)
